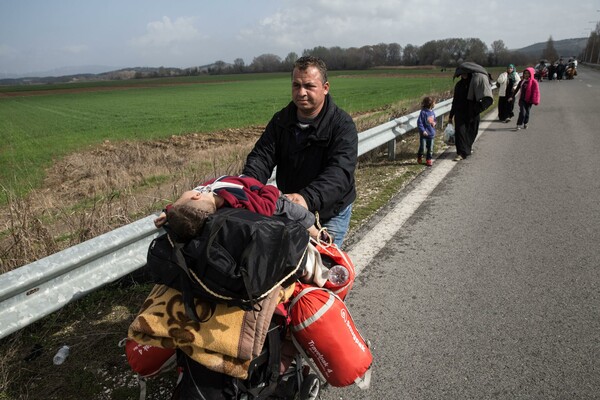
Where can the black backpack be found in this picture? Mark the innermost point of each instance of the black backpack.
(239, 258)
(198, 382)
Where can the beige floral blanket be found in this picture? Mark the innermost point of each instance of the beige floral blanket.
(226, 342)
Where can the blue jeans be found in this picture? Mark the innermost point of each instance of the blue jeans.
(524, 110)
(338, 225)
(426, 142)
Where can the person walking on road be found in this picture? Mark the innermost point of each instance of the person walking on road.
(426, 125)
(507, 83)
(530, 95)
(472, 96)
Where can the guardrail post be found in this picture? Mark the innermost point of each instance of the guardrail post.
(391, 145)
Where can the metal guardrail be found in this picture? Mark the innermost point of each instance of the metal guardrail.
(390, 131)
(35, 290)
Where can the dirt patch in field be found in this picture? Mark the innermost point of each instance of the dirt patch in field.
(119, 165)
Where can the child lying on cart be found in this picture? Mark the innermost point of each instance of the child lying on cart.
(187, 214)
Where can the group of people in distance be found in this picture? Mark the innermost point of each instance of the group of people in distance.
(473, 95)
(555, 71)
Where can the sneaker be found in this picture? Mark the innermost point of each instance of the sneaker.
(518, 127)
(419, 160)
(429, 163)
(458, 158)
(507, 120)
(525, 126)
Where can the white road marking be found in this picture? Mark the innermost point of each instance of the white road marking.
(363, 252)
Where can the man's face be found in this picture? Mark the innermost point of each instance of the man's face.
(308, 91)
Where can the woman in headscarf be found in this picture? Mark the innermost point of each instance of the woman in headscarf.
(507, 82)
(472, 95)
(512, 81)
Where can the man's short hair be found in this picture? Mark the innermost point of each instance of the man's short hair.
(303, 63)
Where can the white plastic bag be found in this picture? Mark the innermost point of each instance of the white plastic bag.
(449, 134)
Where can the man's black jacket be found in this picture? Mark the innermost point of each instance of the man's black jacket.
(320, 167)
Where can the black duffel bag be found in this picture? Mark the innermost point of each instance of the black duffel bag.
(239, 258)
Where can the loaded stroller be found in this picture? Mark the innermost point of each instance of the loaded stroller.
(237, 306)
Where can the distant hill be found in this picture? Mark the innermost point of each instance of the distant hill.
(64, 71)
(566, 48)
(120, 74)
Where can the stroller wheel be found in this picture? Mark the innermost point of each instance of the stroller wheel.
(309, 390)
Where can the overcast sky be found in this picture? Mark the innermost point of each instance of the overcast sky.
(41, 35)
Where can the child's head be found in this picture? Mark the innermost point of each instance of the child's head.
(188, 214)
(428, 103)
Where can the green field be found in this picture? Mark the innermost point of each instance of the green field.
(37, 129)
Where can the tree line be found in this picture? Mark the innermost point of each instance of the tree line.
(445, 53)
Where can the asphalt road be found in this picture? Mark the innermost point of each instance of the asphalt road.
(482, 279)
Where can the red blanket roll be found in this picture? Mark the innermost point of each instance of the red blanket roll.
(325, 331)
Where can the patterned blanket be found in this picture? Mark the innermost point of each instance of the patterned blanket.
(226, 342)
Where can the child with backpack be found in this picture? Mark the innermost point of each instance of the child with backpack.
(426, 125)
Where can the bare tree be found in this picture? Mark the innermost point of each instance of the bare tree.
(430, 51)
(477, 51)
(550, 53)
(410, 55)
(266, 63)
(498, 53)
(394, 54)
(338, 58)
(289, 61)
(380, 54)
(238, 65)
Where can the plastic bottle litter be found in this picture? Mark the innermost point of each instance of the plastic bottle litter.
(338, 275)
(61, 355)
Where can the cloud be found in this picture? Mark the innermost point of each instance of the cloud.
(298, 26)
(344, 23)
(166, 34)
